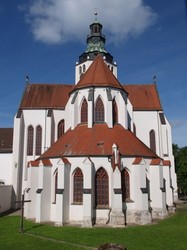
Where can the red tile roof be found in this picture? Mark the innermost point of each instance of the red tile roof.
(143, 97)
(156, 161)
(36, 163)
(6, 140)
(166, 163)
(65, 160)
(137, 160)
(98, 141)
(45, 96)
(46, 162)
(98, 75)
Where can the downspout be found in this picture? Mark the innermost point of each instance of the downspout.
(45, 130)
(109, 212)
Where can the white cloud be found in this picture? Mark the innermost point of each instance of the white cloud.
(60, 21)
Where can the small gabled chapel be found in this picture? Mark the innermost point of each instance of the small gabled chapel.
(98, 152)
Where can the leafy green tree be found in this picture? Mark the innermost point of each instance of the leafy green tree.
(180, 155)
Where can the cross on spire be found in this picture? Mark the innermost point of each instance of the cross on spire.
(95, 13)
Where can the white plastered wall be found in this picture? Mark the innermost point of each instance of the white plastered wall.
(79, 69)
(146, 121)
(75, 108)
(6, 168)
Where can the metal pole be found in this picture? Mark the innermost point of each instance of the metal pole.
(22, 213)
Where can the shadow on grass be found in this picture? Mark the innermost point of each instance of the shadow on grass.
(32, 227)
(9, 212)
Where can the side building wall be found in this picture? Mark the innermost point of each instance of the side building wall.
(5, 198)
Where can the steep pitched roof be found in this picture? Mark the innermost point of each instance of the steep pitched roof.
(98, 75)
(97, 141)
(6, 140)
(45, 96)
(143, 97)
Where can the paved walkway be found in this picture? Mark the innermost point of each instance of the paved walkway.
(60, 241)
(17, 212)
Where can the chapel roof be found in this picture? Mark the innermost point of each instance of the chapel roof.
(98, 75)
(98, 141)
(6, 140)
(46, 96)
(143, 97)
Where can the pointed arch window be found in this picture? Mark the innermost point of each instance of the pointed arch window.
(99, 111)
(38, 140)
(83, 68)
(134, 128)
(152, 141)
(102, 188)
(30, 140)
(80, 70)
(78, 186)
(125, 182)
(84, 112)
(114, 112)
(60, 128)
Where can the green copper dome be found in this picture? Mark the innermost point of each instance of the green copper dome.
(95, 44)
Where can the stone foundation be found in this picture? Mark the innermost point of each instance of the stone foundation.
(159, 213)
(87, 222)
(171, 209)
(117, 219)
(138, 217)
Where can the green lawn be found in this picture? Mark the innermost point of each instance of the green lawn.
(170, 233)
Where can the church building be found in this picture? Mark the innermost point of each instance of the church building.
(97, 152)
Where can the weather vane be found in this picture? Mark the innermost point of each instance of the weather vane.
(27, 79)
(95, 13)
(154, 79)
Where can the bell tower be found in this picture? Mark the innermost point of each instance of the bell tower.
(95, 46)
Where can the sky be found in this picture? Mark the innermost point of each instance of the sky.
(43, 39)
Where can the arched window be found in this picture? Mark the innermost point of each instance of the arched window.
(30, 137)
(134, 128)
(84, 111)
(38, 140)
(152, 141)
(99, 111)
(125, 182)
(78, 186)
(102, 188)
(114, 112)
(80, 70)
(84, 68)
(60, 128)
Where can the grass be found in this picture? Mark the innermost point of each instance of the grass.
(170, 233)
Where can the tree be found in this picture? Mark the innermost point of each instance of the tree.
(180, 155)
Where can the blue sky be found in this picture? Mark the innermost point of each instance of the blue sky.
(43, 39)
